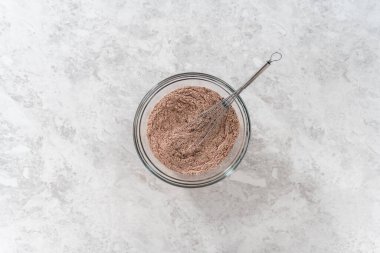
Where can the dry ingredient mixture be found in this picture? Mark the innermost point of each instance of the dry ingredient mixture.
(170, 140)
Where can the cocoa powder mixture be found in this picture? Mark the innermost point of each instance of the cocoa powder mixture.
(169, 140)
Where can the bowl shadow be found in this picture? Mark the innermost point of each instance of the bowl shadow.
(248, 195)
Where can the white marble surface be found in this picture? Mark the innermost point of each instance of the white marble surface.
(73, 72)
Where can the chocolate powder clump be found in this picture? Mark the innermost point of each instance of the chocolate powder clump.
(173, 144)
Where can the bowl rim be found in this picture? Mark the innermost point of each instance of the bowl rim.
(140, 112)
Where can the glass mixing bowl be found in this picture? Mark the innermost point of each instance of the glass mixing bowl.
(226, 167)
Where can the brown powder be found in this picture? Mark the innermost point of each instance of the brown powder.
(169, 140)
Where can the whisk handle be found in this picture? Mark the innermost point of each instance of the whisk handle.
(261, 70)
(256, 75)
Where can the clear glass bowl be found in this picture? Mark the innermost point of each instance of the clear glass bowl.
(145, 153)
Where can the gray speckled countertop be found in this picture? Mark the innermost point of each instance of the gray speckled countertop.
(73, 72)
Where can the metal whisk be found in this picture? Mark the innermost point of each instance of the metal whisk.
(208, 120)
